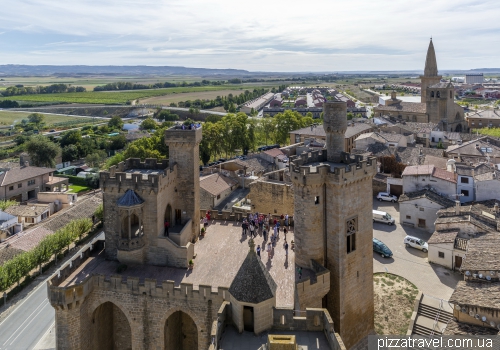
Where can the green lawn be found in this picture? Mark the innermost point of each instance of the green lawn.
(78, 189)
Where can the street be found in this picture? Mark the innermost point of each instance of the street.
(410, 263)
(30, 324)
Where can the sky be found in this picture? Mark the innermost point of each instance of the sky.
(277, 36)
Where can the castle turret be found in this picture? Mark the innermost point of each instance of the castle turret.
(335, 125)
(333, 226)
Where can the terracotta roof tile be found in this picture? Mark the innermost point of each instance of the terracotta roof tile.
(477, 294)
(414, 107)
(23, 173)
(444, 175)
(215, 184)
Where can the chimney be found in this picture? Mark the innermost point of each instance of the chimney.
(495, 208)
(457, 207)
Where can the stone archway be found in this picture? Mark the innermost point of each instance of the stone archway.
(110, 328)
(458, 128)
(180, 332)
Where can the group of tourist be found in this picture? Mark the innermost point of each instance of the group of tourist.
(269, 227)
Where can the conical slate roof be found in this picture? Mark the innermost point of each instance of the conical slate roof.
(129, 199)
(431, 68)
(252, 284)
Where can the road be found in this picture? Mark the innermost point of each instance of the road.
(28, 323)
(31, 321)
(410, 263)
(201, 110)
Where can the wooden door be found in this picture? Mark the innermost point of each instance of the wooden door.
(458, 261)
(177, 216)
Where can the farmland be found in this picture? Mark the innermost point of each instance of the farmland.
(202, 95)
(9, 118)
(119, 97)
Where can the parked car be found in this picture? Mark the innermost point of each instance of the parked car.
(380, 248)
(384, 196)
(382, 216)
(417, 243)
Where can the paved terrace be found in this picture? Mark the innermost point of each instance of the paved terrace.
(219, 255)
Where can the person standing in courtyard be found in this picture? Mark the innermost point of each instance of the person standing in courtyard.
(269, 250)
(258, 251)
(286, 249)
(167, 225)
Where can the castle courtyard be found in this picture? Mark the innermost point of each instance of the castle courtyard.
(219, 255)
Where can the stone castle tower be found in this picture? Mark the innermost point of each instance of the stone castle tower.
(333, 225)
(139, 197)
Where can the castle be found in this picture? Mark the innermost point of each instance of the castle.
(437, 103)
(137, 293)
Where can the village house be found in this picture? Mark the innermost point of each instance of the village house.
(23, 183)
(419, 208)
(352, 132)
(416, 178)
(214, 189)
(488, 118)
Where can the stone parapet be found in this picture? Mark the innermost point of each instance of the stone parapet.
(71, 296)
(120, 179)
(178, 135)
(311, 291)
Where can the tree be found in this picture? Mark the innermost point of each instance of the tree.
(42, 151)
(69, 153)
(117, 142)
(4, 204)
(232, 108)
(95, 159)
(115, 123)
(148, 124)
(72, 137)
(350, 115)
(36, 118)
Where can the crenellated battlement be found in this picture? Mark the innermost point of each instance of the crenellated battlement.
(307, 167)
(133, 173)
(70, 296)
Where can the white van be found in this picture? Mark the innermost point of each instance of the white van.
(382, 216)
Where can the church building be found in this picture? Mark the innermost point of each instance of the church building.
(437, 103)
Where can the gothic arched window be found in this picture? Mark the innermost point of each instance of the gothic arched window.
(438, 94)
(432, 93)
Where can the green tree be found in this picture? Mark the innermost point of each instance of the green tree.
(117, 142)
(72, 137)
(115, 123)
(36, 118)
(232, 108)
(69, 153)
(148, 124)
(4, 204)
(94, 160)
(286, 122)
(42, 151)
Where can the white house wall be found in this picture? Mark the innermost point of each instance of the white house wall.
(487, 190)
(429, 212)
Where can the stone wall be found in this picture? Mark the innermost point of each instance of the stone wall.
(270, 196)
(310, 292)
(146, 307)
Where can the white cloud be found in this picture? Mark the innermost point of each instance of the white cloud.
(323, 35)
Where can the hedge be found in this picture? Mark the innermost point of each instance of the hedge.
(14, 270)
(80, 181)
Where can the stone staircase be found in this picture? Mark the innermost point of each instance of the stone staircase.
(432, 316)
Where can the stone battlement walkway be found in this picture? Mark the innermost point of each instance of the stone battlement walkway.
(219, 255)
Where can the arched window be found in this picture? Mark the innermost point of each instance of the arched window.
(438, 94)
(432, 93)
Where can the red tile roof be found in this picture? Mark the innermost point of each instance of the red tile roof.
(444, 175)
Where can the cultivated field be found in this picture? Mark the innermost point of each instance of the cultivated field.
(9, 118)
(121, 97)
(184, 96)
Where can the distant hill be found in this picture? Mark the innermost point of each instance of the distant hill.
(25, 70)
